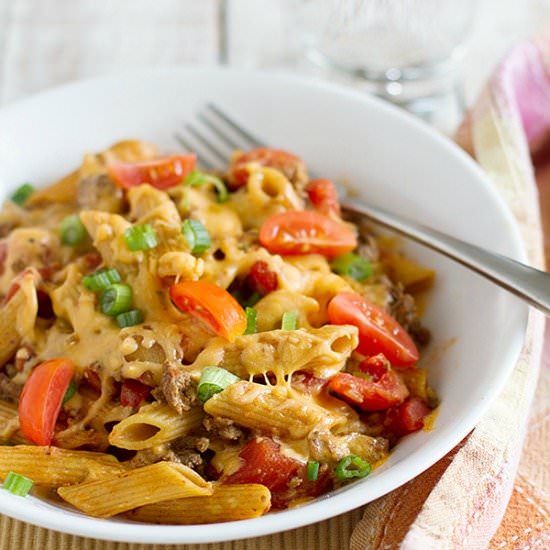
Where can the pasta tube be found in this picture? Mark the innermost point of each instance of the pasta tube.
(53, 467)
(266, 408)
(148, 485)
(226, 503)
(152, 425)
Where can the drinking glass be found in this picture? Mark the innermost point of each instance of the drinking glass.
(407, 51)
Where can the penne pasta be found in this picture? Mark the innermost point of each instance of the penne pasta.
(152, 425)
(322, 351)
(148, 485)
(54, 467)
(266, 408)
(226, 503)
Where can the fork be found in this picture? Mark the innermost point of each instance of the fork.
(216, 134)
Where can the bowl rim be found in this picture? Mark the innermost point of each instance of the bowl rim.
(336, 502)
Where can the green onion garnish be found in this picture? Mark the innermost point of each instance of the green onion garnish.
(116, 299)
(250, 320)
(129, 318)
(72, 230)
(214, 380)
(196, 178)
(353, 266)
(17, 484)
(101, 279)
(352, 466)
(290, 320)
(21, 194)
(140, 237)
(71, 390)
(312, 470)
(196, 235)
(252, 300)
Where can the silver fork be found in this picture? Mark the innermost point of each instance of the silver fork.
(216, 135)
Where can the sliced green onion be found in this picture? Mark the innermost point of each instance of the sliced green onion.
(72, 230)
(196, 178)
(71, 390)
(21, 194)
(140, 237)
(353, 266)
(116, 299)
(250, 320)
(312, 470)
(129, 318)
(17, 484)
(252, 300)
(101, 279)
(214, 380)
(352, 466)
(196, 235)
(290, 320)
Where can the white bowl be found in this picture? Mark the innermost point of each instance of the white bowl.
(394, 160)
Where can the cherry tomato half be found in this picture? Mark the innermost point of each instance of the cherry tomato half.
(323, 196)
(379, 332)
(291, 165)
(42, 397)
(212, 304)
(160, 173)
(305, 232)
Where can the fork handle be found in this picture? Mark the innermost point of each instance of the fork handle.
(528, 283)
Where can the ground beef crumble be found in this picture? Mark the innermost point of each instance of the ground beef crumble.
(178, 389)
(223, 428)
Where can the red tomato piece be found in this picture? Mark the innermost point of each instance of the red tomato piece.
(367, 393)
(42, 397)
(305, 232)
(133, 393)
(323, 196)
(91, 376)
(212, 304)
(261, 279)
(379, 332)
(406, 418)
(306, 488)
(285, 162)
(160, 173)
(263, 462)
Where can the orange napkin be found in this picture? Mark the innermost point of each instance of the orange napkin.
(461, 502)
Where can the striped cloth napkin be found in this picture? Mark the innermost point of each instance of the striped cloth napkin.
(461, 502)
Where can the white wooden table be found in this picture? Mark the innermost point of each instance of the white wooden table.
(47, 42)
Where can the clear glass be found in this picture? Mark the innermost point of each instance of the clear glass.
(407, 51)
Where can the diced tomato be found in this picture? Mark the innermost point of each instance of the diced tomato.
(212, 304)
(42, 397)
(261, 279)
(406, 418)
(379, 332)
(161, 173)
(305, 488)
(306, 232)
(367, 393)
(376, 365)
(285, 162)
(323, 196)
(263, 462)
(133, 393)
(91, 376)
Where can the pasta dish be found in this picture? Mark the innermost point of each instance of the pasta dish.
(182, 347)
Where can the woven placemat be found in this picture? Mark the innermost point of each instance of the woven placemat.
(332, 534)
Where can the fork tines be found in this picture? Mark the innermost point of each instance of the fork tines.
(214, 136)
